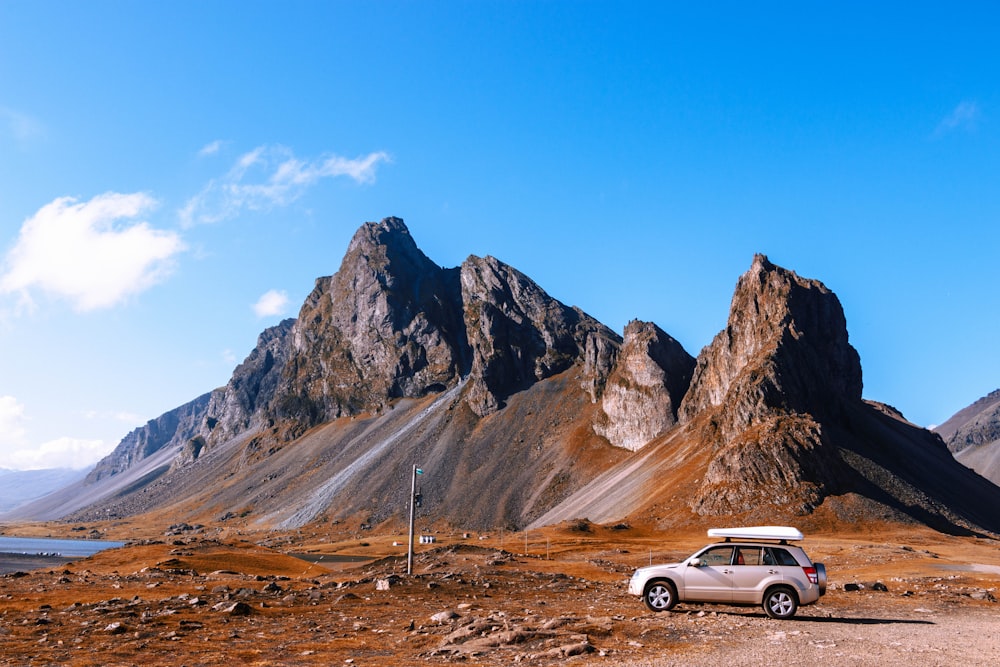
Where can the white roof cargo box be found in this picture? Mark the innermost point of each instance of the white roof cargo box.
(757, 533)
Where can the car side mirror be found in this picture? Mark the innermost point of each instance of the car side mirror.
(694, 562)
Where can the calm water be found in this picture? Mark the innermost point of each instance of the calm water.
(68, 548)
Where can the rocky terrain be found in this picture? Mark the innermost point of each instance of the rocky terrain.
(203, 596)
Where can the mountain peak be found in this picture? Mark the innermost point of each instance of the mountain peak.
(519, 334)
(785, 347)
(387, 325)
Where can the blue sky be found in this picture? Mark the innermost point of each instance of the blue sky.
(174, 176)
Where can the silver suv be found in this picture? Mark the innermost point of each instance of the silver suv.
(755, 565)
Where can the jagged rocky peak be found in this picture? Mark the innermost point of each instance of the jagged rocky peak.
(785, 347)
(767, 384)
(238, 407)
(388, 324)
(518, 335)
(643, 392)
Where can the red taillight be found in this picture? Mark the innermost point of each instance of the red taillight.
(811, 575)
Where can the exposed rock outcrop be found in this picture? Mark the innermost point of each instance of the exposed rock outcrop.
(973, 436)
(784, 349)
(782, 365)
(170, 429)
(774, 429)
(643, 393)
(520, 335)
(240, 405)
(387, 325)
(974, 426)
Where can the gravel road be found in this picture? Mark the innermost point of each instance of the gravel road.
(910, 638)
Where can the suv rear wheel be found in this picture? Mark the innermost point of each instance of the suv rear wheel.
(780, 602)
(660, 595)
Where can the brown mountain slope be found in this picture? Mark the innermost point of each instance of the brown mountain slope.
(501, 471)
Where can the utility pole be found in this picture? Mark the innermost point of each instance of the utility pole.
(413, 507)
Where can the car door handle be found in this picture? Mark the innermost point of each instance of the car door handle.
(772, 571)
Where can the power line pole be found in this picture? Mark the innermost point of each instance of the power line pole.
(413, 507)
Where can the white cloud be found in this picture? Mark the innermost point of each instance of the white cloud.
(210, 149)
(18, 453)
(271, 303)
(12, 430)
(964, 116)
(271, 176)
(77, 251)
(59, 453)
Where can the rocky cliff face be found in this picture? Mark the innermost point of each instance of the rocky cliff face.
(520, 335)
(782, 365)
(785, 348)
(974, 426)
(387, 325)
(642, 394)
(174, 428)
(773, 428)
(240, 405)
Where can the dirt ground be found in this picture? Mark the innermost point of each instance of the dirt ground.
(897, 596)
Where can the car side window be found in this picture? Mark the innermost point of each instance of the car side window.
(779, 557)
(747, 555)
(717, 556)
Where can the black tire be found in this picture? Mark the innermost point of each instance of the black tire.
(660, 595)
(780, 602)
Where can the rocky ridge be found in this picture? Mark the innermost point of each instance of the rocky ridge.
(528, 410)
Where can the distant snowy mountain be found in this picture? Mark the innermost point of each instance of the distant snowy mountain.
(18, 487)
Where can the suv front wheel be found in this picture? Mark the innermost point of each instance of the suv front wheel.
(660, 595)
(780, 602)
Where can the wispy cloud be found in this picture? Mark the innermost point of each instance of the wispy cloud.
(81, 252)
(271, 303)
(269, 177)
(19, 453)
(210, 149)
(59, 453)
(20, 126)
(12, 430)
(964, 116)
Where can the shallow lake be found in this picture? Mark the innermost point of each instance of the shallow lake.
(66, 548)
